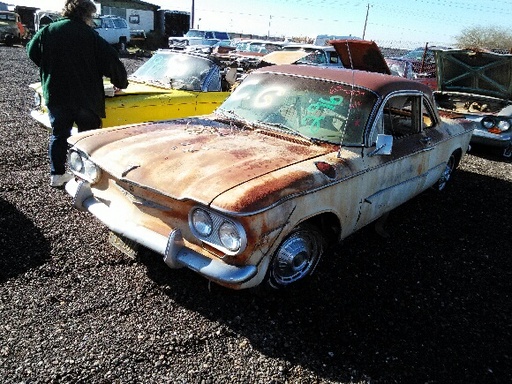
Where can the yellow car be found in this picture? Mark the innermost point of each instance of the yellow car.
(169, 85)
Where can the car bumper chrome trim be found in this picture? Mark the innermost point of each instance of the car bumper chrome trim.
(172, 247)
(41, 118)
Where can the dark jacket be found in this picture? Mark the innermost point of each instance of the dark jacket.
(72, 60)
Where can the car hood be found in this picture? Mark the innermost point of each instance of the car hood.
(196, 158)
(363, 55)
(136, 88)
(476, 72)
(283, 57)
(133, 88)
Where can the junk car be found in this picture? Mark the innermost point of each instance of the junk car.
(198, 37)
(296, 158)
(316, 54)
(11, 29)
(168, 85)
(477, 85)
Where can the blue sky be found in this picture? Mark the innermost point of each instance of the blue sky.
(401, 23)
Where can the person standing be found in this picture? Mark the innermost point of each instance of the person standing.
(73, 59)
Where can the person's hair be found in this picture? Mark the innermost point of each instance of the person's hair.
(79, 9)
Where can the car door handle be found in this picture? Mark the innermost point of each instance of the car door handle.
(426, 140)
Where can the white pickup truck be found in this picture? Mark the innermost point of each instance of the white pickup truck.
(114, 29)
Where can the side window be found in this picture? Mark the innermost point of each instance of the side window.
(428, 120)
(402, 116)
(107, 23)
(333, 57)
(120, 23)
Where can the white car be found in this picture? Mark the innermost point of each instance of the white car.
(198, 37)
(317, 54)
(114, 29)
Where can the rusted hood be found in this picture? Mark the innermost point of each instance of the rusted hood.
(474, 71)
(362, 55)
(195, 158)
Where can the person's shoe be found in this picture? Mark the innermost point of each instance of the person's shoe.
(59, 180)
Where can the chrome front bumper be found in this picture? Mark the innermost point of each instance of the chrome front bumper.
(41, 118)
(172, 247)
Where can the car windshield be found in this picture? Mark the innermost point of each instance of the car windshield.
(8, 16)
(194, 33)
(179, 71)
(312, 108)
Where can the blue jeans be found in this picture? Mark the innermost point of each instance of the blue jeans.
(62, 120)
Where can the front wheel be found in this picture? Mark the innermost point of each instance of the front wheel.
(446, 175)
(296, 257)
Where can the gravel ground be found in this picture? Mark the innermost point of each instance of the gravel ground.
(429, 304)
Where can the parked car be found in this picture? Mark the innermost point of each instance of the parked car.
(296, 158)
(114, 29)
(198, 37)
(358, 54)
(256, 48)
(168, 85)
(11, 29)
(477, 85)
(418, 64)
(317, 54)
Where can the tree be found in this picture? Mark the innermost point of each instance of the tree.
(492, 38)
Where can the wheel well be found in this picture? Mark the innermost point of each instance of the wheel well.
(458, 156)
(329, 225)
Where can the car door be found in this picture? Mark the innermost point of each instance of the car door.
(392, 179)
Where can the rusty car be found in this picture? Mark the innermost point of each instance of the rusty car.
(169, 85)
(477, 85)
(296, 158)
(11, 29)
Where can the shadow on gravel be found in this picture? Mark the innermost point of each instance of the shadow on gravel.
(16, 258)
(429, 304)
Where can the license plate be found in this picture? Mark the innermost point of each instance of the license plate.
(127, 246)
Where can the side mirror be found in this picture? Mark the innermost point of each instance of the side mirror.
(383, 146)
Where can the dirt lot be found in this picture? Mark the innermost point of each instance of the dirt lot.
(430, 304)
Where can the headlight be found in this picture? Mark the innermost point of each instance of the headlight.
(488, 122)
(75, 162)
(37, 100)
(217, 230)
(496, 124)
(82, 166)
(503, 125)
(229, 236)
(202, 222)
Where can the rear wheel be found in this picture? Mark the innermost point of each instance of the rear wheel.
(296, 257)
(121, 46)
(447, 174)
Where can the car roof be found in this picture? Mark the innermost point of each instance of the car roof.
(379, 83)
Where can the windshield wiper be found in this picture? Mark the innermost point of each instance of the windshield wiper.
(284, 127)
(231, 117)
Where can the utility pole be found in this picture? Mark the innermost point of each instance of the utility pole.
(192, 16)
(366, 20)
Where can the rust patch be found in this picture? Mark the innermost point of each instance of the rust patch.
(263, 195)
